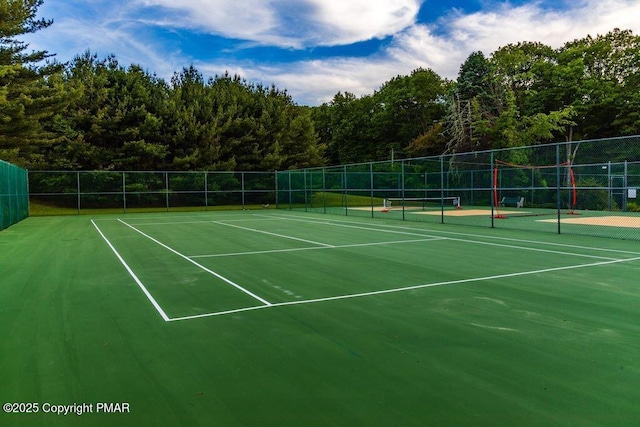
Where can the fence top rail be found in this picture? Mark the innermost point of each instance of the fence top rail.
(469, 153)
(149, 171)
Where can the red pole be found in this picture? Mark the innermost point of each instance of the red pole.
(496, 202)
(495, 187)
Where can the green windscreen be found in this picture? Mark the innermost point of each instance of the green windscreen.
(14, 194)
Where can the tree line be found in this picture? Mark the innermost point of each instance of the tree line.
(522, 94)
(93, 113)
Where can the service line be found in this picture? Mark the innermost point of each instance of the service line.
(404, 289)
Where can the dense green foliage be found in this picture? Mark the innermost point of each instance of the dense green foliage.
(374, 127)
(523, 94)
(28, 93)
(126, 119)
(96, 114)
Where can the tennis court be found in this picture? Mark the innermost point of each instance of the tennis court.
(272, 317)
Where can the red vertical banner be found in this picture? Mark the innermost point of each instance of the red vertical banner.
(495, 187)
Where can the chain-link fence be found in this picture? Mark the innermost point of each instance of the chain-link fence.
(103, 191)
(586, 187)
(14, 194)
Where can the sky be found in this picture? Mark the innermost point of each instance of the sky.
(316, 48)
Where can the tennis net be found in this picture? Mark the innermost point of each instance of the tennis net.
(422, 203)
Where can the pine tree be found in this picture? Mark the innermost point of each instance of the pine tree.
(29, 93)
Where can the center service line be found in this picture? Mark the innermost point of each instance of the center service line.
(274, 234)
(246, 291)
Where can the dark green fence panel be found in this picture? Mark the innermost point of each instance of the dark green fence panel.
(14, 194)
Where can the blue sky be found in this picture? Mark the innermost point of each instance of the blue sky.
(316, 48)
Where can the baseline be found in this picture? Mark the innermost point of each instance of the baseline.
(407, 288)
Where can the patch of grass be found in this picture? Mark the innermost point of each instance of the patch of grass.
(633, 207)
(339, 199)
(43, 209)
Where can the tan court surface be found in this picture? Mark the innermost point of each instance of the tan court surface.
(608, 221)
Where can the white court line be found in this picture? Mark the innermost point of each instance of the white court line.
(404, 289)
(274, 234)
(136, 220)
(205, 221)
(133, 275)
(524, 248)
(355, 245)
(171, 223)
(224, 279)
(482, 236)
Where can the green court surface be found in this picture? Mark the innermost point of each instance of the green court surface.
(277, 318)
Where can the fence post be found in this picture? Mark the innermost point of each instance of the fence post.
(206, 190)
(492, 191)
(402, 188)
(290, 192)
(306, 200)
(242, 186)
(124, 192)
(345, 187)
(625, 187)
(324, 191)
(558, 180)
(78, 189)
(275, 177)
(442, 189)
(371, 185)
(166, 189)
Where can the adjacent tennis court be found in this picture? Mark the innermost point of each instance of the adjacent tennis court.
(272, 317)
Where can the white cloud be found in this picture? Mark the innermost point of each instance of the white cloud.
(457, 36)
(345, 22)
(293, 23)
(253, 20)
(114, 27)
